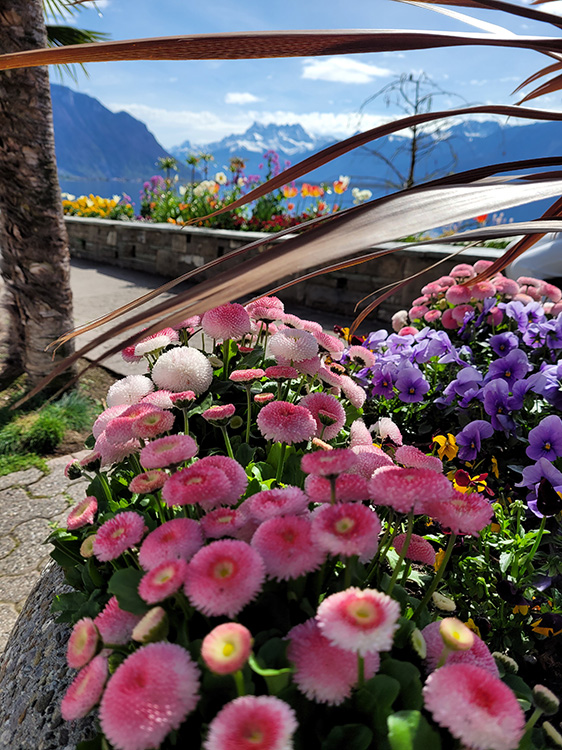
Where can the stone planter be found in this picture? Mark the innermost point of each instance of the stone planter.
(34, 677)
(169, 250)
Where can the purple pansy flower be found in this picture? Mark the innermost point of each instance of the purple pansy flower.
(503, 343)
(470, 438)
(535, 336)
(532, 476)
(383, 383)
(514, 366)
(545, 440)
(411, 385)
(496, 397)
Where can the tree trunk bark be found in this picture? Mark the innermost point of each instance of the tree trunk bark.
(35, 261)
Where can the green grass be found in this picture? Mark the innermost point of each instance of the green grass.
(19, 462)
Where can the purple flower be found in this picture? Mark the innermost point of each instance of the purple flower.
(398, 344)
(553, 330)
(470, 438)
(534, 336)
(503, 343)
(496, 397)
(434, 344)
(514, 366)
(534, 477)
(545, 440)
(375, 339)
(411, 385)
(516, 311)
(550, 384)
(383, 383)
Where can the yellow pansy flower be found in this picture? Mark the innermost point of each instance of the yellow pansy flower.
(447, 446)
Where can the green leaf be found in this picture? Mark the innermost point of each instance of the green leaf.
(505, 560)
(62, 558)
(124, 584)
(409, 678)
(95, 744)
(519, 687)
(409, 730)
(245, 454)
(348, 736)
(375, 700)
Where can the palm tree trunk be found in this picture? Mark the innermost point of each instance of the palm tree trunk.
(35, 262)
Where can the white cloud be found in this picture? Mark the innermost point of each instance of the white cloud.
(172, 127)
(239, 97)
(342, 70)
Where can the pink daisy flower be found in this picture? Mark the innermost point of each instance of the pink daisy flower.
(152, 423)
(286, 546)
(226, 648)
(369, 459)
(82, 644)
(361, 355)
(229, 321)
(105, 418)
(286, 423)
(115, 625)
(168, 451)
(432, 316)
(407, 489)
(152, 627)
(148, 695)
(458, 295)
(219, 413)
(490, 719)
(399, 320)
(360, 621)
(482, 290)
(129, 390)
(162, 581)
(412, 457)
(179, 538)
(128, 354)
(223, 522)
(462, 271)
(328, 414)
(198, 483)
(419, 549)
(182, 399)
(280, 372)
(349, 488)
(346, 529)
(223, 577)
(120, 429)
(156, 341)
(323, 672)
(252, 722)
(277, 502)
(91, 462)
(85, 690)
(359, 434)
(183, 369)
(305, 366)
(117, 534)
(506, 286)
(461, 512)
(246, 376)
(162, 399)
(478, 655)
(82, 514)
(330, 344)
(353, 392)
(460, 311)
(234, 472)
(293, 345)
(194, 321)
(386, 429)
(328, 463)
(112, 453)
(149, 481)
(263, 398)
(266, 308)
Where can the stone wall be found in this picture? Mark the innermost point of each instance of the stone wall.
(170, 251)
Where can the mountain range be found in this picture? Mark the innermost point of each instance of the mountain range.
(93, 142)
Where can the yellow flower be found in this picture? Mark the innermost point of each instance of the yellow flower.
(495, 527)
(447, 446)
(439, 559)
(544, 631)
(471, 625)
(521, 609)
(495, 470)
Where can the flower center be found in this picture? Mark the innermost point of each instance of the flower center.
(224, 569)
(117, 533)
(228, 649)
(364, 613)
(547, 446)
(344, 525)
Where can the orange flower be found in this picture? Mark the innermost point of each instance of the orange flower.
(341, 185)
(482, 219)
(289, 191)
(322, 206)
(290, 206)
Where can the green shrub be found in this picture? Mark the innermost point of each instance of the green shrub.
(44, 434)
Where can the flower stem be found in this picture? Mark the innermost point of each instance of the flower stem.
(226, 358)
(438, 577)
(239, 680)
(403, 553)
(360, 670)
(227, 441)
(535, 546)
(281, 462)
(249, 411)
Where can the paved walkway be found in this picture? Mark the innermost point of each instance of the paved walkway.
(29, 502)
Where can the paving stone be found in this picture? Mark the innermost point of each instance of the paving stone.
(19, 478)
(15, 589)
(8, 617)
(15, 507)
(7, 544)
(31, 554)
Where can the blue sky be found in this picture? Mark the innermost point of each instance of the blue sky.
(203, 101)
